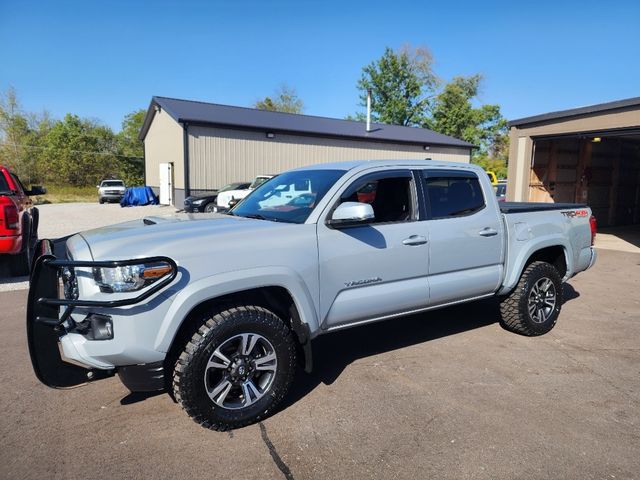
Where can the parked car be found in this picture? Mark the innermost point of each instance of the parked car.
(227, 325)
(225, 197)
(207, 203)
(111, 190)
(18, 222)
(501, 190)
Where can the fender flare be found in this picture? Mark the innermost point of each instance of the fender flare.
(214, 286)
(518, 265)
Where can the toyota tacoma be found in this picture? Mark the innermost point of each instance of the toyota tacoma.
(224, 328)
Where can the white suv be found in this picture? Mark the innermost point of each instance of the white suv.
(111, 191)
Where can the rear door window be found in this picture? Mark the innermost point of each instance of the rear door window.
(452, 195)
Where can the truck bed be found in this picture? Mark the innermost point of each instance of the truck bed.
(522, 207)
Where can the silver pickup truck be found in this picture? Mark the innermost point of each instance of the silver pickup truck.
(224, 328)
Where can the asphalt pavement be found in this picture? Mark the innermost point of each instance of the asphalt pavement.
(447, 394)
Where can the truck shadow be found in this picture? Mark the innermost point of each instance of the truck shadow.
(334, 352)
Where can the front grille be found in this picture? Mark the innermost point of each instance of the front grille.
(112, 192)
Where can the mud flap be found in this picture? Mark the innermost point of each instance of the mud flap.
(43, 333)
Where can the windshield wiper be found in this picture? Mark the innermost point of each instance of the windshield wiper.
(257, 216)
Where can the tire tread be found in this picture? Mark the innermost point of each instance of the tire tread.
(513, 312)
(182, 375)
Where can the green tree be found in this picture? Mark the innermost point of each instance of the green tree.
(284, 99)
(453, 114)
(21, 135)
(131, 149)
(402, 84)
(80, 152)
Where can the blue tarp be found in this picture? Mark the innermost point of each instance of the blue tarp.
(135, 196)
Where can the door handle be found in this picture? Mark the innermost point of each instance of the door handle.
(488, 232)
(415, 240)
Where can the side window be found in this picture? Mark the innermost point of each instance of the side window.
(18, 183)
(390, 196)
(452, 196)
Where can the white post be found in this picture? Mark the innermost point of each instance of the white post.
(368, 109)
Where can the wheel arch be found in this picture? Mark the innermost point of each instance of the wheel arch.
(553, 250)
(289, 300)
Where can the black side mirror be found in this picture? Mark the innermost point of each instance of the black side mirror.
(36, 190)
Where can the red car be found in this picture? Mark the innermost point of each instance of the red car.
(18, 222)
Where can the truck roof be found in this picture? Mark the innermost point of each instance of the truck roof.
(365, 164)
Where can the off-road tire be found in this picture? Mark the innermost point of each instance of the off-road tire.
(217, 327)
(514, 312)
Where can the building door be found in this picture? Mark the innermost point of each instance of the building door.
(166, 183)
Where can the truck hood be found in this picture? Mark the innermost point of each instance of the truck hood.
(178, 236)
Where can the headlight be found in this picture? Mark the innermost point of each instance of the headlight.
(130, 278)
(198, 202)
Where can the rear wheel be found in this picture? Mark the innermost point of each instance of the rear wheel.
(236, 368)
(532, 308)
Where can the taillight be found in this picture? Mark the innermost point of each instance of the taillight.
(594, 228)
(11, 218)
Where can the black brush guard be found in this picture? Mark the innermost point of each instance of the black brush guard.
(45, 325)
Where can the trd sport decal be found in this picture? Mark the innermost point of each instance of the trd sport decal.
(575, 213)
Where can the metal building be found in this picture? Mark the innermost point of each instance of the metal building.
(586, 155)
(194, 147)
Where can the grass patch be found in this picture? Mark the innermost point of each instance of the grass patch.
(67, 194)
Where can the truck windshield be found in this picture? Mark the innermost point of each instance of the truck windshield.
(113, 183)
(290, 197)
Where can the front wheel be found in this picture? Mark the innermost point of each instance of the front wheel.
(210, 207)
(236, 368)
(532, 308)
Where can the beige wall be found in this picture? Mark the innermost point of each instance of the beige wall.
(163, 144)
(521, 142)
(219, 156)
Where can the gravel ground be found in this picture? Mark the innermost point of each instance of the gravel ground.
(61, 219)
(444, 395)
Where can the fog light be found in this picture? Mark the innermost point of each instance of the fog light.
(96, 327)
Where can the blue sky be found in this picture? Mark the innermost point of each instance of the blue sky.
(105, 59)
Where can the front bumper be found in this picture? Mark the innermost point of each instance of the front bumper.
(63, 353)
(193, 208)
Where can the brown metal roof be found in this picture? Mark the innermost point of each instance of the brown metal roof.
(575, 112)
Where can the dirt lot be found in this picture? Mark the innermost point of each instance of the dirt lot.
(447, 394)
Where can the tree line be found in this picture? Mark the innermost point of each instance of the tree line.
(71, 151)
